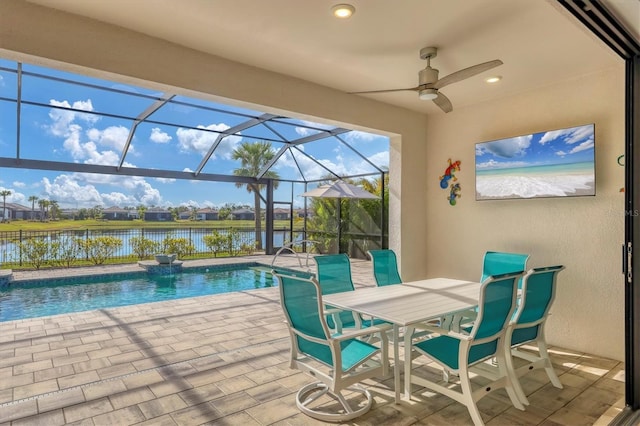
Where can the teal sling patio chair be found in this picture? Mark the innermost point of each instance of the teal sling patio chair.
(497, 262)
(458, 352)
(338, 361)
(527, 326)
(493, 263)
(333, 272)
(385, 267)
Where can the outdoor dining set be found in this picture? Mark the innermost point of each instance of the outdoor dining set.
(341, 336)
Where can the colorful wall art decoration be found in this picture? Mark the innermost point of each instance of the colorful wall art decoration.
(447, 181)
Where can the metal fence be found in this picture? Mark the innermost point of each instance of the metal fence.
(244, 239)
(13, 252)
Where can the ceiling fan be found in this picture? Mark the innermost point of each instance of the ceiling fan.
(429, 85)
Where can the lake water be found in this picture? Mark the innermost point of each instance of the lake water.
(9, 249)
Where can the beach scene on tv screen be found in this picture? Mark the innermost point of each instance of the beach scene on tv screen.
(557, 163)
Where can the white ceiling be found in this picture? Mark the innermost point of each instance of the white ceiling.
(378, 47)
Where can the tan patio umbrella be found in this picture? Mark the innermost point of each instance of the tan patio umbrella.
(339, 189)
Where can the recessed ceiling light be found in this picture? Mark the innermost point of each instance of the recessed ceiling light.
(494, 79)
(343, 11)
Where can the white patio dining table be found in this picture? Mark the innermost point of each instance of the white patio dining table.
(407, 304)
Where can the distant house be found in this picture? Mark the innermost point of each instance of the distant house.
(300, 213)
(15, 211)
(157, 214)
(207, 214)
(185, 215)
(117, 213)
(69, 214)
(281, 214)
(243, 214)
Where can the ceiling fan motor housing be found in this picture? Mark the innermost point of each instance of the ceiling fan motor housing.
(427, 76)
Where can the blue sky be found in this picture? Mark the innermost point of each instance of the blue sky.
(571, 145)
(177, 140)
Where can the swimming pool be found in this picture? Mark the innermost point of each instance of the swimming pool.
(60, 296)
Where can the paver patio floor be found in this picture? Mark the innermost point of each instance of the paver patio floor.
(222, 359)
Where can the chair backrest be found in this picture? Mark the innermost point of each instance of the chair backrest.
(496, 263)
(538, 293)
(385, 267)
(301, 301)
(496, 305)
(333, 272)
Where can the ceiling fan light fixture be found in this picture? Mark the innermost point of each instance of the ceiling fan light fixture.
(428, 94)
(494, 79)
(343, 11)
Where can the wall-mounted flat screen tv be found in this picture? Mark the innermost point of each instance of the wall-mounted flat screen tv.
(556, 163)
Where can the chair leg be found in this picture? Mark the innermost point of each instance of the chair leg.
(548, 366)
(310, 393)
(512, 386)
(515, 381)
(467, 397)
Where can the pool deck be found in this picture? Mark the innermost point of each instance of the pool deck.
(223, 359)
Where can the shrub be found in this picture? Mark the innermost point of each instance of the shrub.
(144, 247)
(35, 250)
(216, 242)
(65, 251)
(100, 249)
(179, 246)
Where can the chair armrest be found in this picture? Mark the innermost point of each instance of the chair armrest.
(353, 333)
(442, 331)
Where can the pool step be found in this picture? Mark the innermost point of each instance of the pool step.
(265, 269)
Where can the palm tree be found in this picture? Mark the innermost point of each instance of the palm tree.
(33, 200)
(44, 205)
(4, 193)
(141, 209)
(54, 208)
(253, 158)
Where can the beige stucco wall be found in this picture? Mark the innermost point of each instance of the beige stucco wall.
(583, 233)
(432, 237)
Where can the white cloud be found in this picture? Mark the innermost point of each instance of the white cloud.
(80, 189)
(304, 131)
(356, 135)
(380, 159)
(569, 136)
(158, 136)
(191, 140)
(62, 119)
(165, 180)
(66, 190)
(582, 147)
(506, 148)
(340, 165)
(18, 184)
(190, 203)
(64, 125)
(14, 197)
(111, 137)
(493, 164)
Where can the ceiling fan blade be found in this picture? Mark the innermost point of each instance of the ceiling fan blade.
(415, 89)
(466, 73)
(443, 102)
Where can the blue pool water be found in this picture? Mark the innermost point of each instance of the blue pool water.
(53, 297)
